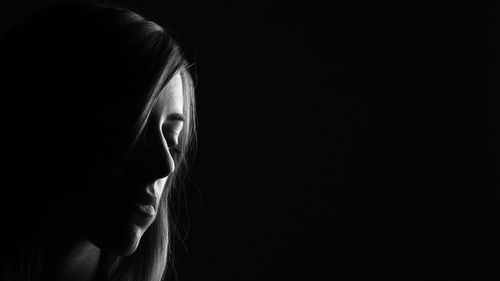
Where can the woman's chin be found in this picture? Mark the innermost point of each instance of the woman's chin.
(120, 240)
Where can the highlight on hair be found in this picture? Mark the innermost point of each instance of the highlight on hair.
(134, 58)
(151, 258)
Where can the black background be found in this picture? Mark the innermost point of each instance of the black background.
(348, 141)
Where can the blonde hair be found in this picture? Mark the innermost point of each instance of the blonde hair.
(150, 260)
(152, 256)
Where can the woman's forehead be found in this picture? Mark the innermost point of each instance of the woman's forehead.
(171, 99)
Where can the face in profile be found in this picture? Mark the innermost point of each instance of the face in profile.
(90, 155)
(122, 208)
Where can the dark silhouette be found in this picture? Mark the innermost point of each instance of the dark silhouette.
(98, 114)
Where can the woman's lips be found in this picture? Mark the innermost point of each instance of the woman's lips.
(141, 214)
(145, 209)
(140, 209)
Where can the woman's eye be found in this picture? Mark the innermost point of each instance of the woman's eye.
(171, 142)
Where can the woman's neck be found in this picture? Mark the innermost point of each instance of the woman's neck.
(78, 263)
(68, 256)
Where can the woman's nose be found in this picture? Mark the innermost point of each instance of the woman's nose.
(153, 156)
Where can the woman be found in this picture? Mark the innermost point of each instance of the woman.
(98, 107)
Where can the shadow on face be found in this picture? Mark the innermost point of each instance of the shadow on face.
(72, 102)
(120, 209)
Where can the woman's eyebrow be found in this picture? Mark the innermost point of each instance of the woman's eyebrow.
(176, 117)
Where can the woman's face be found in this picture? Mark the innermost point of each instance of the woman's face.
(124, 207)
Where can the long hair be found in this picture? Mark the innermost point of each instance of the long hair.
(65, 66)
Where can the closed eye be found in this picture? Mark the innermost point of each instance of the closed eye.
(172, 142)
(170, 131)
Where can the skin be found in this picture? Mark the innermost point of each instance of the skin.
(105, 227)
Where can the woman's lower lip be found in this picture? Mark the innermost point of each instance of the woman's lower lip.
(134, 213)
(145, 209)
